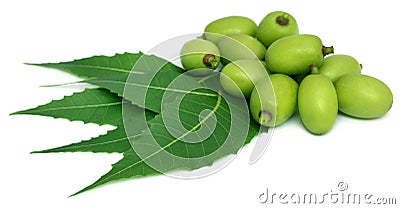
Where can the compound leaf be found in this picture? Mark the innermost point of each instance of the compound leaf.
(197, 123)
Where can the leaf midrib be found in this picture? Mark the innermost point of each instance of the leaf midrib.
(159, 88)
(67, 66)
(73, 107)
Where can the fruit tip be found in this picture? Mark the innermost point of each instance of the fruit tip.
(283, 19)
(327, 50)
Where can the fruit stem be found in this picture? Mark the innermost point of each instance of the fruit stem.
(209, 60)
(314, 69)
(283, 19)
(327, 50)
(264, 117)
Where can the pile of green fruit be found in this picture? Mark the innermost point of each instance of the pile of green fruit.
(279, 70)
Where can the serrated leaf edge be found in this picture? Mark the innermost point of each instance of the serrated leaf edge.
(32, 111)
(61, 64)
(102, 143)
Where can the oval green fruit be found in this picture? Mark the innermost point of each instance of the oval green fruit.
(201, 55)
(363, 96)
(317, 103)
(215, 30)
(271, 105)
(294, 54)
(338, 65)
(243, 74)
(240, 46)
(276, 25)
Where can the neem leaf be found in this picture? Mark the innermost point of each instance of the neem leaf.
(112, 73)
(98, 106)
(197, 124)
(97, 66)
(134, 166)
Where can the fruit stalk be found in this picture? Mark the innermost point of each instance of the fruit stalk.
(327, 50)
(283, 19)
(209, 60)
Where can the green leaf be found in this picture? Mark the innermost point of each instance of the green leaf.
(97, 66)
(197, 124)
(112, 72)
(98, 106)
(132, 166)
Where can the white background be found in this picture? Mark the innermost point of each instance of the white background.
(363, 153)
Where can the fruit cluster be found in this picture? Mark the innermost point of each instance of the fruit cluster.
(279, 70)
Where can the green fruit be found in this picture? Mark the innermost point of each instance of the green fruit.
(200, 54)
(273, 105)
(363, 96)
(276, 25)
(318, 103)
(338, 65)
(243, 74)
(240, 46)
(294, 54)
(215, 30)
